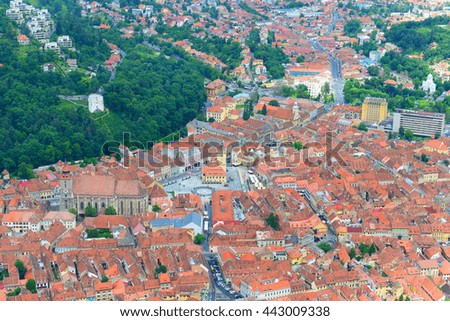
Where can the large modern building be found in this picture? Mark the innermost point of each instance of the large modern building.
(421, 123)
(374, 110)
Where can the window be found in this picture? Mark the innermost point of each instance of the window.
(82, 206)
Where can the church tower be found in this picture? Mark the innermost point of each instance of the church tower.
(65, 182)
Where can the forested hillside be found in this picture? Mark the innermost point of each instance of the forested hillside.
(152, 95)
(415, 37)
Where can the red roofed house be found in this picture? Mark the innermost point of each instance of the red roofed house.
(251, 288)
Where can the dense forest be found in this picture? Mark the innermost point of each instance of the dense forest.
(415, 37)
(227, 51)
(36, 128)
(153, 94)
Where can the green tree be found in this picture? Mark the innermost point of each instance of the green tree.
(373, 71)
(274, 102)
(15, 292)
(74, 211)
(326, 247)
(156, 208)
(160, 269)
(424, 158)
(110, 210)
(199, 239)
(302, 92)
(362, 126)
(25, 171)
(401, 132)
(352, 253)
(21, 268)
(211, 119)
(264, 110)
(273, 221)
(300, 59)
(326, 89)
(3, 274)
(31, 286)
(409, 135)
(93, 233)
(352, 28)
(364, 248)
(373, 248)
(90, 211)
(104, 278)
(298, 145)
(248, 112)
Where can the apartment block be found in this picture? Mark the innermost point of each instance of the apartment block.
(374, 110)
(421, 123)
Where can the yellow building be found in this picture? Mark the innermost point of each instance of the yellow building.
(321, 228)
(430, 175)
(374, 110)
(436, 146)
(215, 112)
(214, 175)
(103, 291)
(221, 108)
(297, 255)
(214, 88)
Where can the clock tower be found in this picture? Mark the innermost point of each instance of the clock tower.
(65, 182)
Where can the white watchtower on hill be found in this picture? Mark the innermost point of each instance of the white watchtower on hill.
(96, 103)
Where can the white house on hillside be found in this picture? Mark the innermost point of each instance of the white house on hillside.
(96, 103)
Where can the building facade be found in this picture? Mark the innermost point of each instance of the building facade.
(374, 110)
(421, 123)
(128, 197)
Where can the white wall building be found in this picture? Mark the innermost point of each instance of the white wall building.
(96, 103)
(429, 85)
(65, 217)
(262, 292)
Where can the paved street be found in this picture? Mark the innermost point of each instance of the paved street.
(338, 81)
